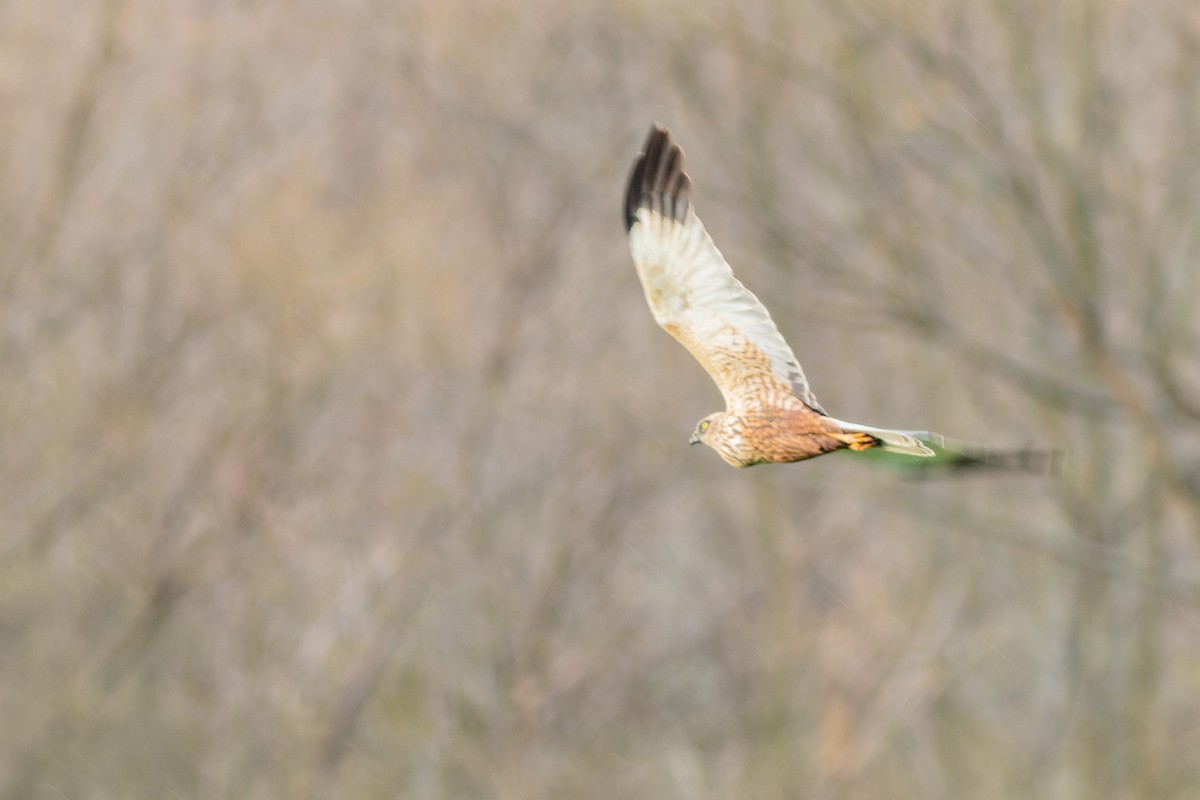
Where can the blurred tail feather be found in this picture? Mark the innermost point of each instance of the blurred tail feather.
(961, 456)
(937, 453)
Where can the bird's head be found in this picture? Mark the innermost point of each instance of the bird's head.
(706, 429)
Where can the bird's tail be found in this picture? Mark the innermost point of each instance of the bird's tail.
(901, 443)
(928, 452)
(955, 456)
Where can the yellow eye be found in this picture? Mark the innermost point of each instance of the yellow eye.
(704, 426)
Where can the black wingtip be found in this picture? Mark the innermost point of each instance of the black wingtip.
(658, 180)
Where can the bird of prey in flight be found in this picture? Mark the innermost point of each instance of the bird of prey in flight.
(771, 415)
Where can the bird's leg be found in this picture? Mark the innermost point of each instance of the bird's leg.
(856, 440)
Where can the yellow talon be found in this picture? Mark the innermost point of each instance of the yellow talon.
(857, 441)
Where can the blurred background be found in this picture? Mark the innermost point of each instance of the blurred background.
(340, 455)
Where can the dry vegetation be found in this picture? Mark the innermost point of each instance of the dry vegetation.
(340, 457)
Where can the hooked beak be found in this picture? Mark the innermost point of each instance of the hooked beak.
(695, 439)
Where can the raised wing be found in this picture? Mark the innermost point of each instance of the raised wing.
(692, 291)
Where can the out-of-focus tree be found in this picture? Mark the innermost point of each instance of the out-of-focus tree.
(340, 456)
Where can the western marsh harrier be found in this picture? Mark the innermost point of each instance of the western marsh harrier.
(771, 414)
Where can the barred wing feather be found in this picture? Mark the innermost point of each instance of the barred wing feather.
(692, 291)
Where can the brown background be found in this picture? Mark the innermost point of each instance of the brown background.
(340, 456)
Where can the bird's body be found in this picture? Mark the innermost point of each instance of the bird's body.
(771, 414)
(779, 434)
